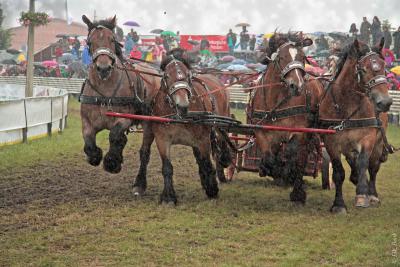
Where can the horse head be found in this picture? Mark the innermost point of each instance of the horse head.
(103, 46)
(286, 52)
(370, 73)
(176, 81)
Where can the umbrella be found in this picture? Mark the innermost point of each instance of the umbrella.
(5, 55)
(239, 61)
(9, 62)
(238, 68)
(157, 31)
(193, 42)
(242, 24)
(131, 23)
(396, 70)
(228, 58)
(13, 51)
(49, 63)
(268, 35)
(168, 33)
(223, 66)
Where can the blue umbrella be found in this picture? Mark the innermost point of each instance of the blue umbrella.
(131, 23)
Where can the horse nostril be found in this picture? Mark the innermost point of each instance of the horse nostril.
(384, 104)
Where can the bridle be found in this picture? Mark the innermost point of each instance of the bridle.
(292, 65)
(183, 81)
(374, 81)
(102, 50)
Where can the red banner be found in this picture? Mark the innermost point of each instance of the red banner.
(217, 42)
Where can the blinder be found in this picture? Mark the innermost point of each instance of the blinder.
(374, 81)
(181, 83)
(290, 66)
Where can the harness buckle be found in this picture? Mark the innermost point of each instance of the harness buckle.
(109, 105)
(339, 127)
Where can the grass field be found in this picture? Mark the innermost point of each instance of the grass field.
(56, 210)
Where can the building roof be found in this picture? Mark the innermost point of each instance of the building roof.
(45, 35)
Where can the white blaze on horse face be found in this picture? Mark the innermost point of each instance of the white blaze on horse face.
(181, 100)
(293, 53)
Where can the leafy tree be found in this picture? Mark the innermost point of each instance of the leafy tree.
(5, 35)
(386, 24)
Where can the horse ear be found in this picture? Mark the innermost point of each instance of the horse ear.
(355, 49)
(87, 21)
(114, 21)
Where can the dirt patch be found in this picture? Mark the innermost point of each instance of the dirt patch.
(72, 179)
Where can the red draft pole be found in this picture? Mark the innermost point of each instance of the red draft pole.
(242, 126)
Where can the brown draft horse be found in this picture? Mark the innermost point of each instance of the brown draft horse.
(109, 87)
(351, 104)
(287, 99)
(180, 96)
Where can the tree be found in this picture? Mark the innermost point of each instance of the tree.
(386, 24)
(5, 35)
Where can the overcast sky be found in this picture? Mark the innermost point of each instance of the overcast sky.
(217, 16)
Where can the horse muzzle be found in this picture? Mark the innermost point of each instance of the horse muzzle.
(383, 103)
(104, 71)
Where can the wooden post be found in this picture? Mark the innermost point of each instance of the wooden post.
(31, 42)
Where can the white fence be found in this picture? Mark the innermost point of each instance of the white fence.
(72, 86)
(33, 117)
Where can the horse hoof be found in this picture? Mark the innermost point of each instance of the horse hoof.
(362, 201)
(299, 197)
(338, 210)
(94, 157)
(170, 198)
(222, 179)
(168, 203)
(212, 192)
(138, 191)
(374, 200)
(111, 164)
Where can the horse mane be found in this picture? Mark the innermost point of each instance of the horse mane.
(178, 54)
(279, 39)
(105, 23)
(346, 52)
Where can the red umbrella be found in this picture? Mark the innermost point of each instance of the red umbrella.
(49, 63)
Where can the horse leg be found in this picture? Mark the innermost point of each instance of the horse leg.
(221, 154)
(206, 171)
(362, 162)
(220, 172)
(338, 178)
(93, 152)
(113, 159)
(140, 184)
(354, 172)
(373, 169)
(295, 168)
(168, 195)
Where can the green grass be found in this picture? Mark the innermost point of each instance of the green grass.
(89, 218)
